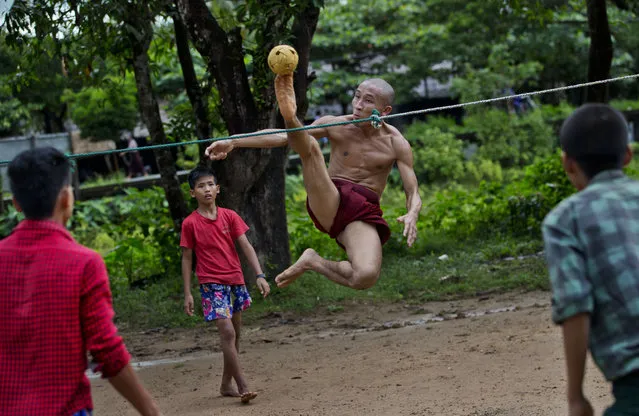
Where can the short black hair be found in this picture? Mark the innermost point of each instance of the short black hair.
(596, 137)
(200, 172)
(36, 177)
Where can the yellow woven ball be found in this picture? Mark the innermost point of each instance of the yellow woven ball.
(283, 59)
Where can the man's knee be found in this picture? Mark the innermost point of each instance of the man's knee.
(311, 150)
(365, 278)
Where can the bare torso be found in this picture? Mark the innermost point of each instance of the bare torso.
(365, 158)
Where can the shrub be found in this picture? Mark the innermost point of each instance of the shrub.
(438, 156)
(516, 208)
(103, 112)
(479, 169)
(511, 140)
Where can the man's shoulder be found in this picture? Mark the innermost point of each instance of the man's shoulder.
(84, 251)
(564, 211)
(333, 119)
(81, 254)
(400, 143)
(584, 201)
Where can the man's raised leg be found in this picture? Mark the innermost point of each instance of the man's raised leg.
(323, 197)
(361, 271)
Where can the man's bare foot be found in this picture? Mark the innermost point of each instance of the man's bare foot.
(229, 392)
(303, 264)
(285, 94)
(247, 396)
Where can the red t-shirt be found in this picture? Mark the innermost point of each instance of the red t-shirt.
(213, 242)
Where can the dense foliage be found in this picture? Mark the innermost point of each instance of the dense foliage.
(103, 112)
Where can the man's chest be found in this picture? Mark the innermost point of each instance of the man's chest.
(376, 154)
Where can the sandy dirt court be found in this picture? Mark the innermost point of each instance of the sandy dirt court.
(444, 358)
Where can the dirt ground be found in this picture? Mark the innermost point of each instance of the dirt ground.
(447, 358)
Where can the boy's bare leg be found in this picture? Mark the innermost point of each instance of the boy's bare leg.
(226, 388)
(237, 325)
(231, 359)
(361, 271)
(323, 197)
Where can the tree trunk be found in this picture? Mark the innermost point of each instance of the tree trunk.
(600, 53)
(54, 123)
(193, 90)
(151, 116)
(61, 116)
(303, 30)
(224, 53)
(48, 120)
(252, 180)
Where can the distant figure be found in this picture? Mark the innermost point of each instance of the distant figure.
(133, 160)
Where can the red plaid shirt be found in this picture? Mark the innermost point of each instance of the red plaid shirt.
(55, 305)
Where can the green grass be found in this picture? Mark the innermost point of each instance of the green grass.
(472, 268)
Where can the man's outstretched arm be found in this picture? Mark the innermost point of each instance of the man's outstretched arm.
(221, 149)
(411, 189)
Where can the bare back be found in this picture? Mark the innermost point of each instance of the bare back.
(362, 155)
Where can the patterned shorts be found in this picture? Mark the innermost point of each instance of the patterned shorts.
(216, 300)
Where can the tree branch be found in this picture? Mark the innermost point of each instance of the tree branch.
(601, 50)
(304, 27)
(622, 4)
(224, 54)
(191, 84)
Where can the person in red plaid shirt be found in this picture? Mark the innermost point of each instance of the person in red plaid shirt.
(55, 303)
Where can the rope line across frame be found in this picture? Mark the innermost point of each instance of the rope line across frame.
(375, 120)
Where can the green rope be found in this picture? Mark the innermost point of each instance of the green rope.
(374, 119)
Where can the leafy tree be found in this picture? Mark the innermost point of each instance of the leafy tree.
(103, 112)
(32, 83)
(119, 31)
(403, 41)
(14, 116)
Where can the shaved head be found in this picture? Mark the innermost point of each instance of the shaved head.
(387, 92)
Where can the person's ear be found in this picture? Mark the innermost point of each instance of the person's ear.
(568, 163)
(387, 110)
(66, 199)
(628, 156)
(16, 205)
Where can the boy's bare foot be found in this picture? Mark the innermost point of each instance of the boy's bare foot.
(248, 396)
(285, 94)
(229, 392)
(303, 264)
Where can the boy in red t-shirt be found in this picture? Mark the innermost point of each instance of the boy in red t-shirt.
(211, 232)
